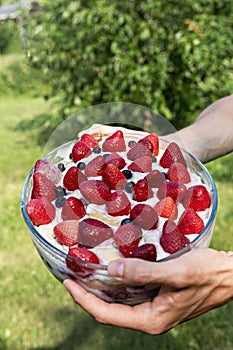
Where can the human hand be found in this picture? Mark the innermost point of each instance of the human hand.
(192, 284)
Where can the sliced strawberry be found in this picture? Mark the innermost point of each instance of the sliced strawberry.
(167, 208)
(114, 178)
(155, 179)
(48, 169)
(96, 166)
(118, 204)
(172, 239)
(141, 165)
(114, 143)
(80, 151)
(89, 140)
(146, 252)
(73, 178)
(154, 139)
(92, 232)
(141, 191)
(178, 172)
(172, 154)
(116, 160)
(139, 150)
(127, 238)
(144, 216)
(43, 187)
(146, 142)
(197, 197)
(173, 189)
(73, 209)
(190, 222)
(66, 232)
(40, 211)
(76, 254)
(95, 191)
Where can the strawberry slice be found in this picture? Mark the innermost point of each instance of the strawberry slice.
(173, 189)
(141, 191)
(167, 208)
(190, 222)
(172, 239)
(172, 154)
(127, 238)
(43, 187)
(146, 142)
(118, 204)
(80, 253)
(141, 165)
(116, 160)
(73, 178)
(40, 211)
(66, 232)
(144, 216)
(89, 140)
(73, 209)
(178, 172)
(154, 139)
(155, 179)
(197, 197)
(95, 191)
(96, 166)
(80, 151)
(114, 178)
(145, 252)
(92, 232)
(114, 143)
(137, 151)
(48, 169)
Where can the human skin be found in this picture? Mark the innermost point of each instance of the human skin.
(193, 283)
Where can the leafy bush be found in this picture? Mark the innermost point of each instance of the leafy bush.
(7, 33)
(173, 56)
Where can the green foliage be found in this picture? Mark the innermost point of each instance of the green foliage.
(173, 56)
(7, 33)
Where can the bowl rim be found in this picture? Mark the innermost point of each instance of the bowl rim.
(93, 266)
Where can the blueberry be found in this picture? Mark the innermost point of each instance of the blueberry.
(128, 174)
(81, 165)
(60, 201)
(154, 159)
(97, 149)
(61, 166)
(129, 186)
(165, 175)
(60, 191)
(131, 143)
(126, 221)
(106, 155)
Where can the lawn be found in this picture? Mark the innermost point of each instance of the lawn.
(36, 311)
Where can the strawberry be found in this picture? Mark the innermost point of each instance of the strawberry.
(89, 140)
(146, 142)
(114, 143)
(190, 222)
(40, 211)
(75, 254)
(115, 159)
(172, 239)
(48, 169)
(167, 208)
(80, 151)
(43, 187)
(114, 178)
(146, 252)
(153, 138)
(118, 204)
(144, 216)
(92, 232)
(95, 167)
(178, 172)
(73, 178)
(172, 154)
(127, 238)
(141, 191)
(66, 232)
(139, 150)
(155, 179)
(95, 191)
(197, 197)
(73, 209)
(173, 189)
(141, 165)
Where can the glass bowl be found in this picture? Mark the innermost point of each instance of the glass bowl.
(95, 277)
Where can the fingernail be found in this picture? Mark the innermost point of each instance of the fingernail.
(116, 268)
